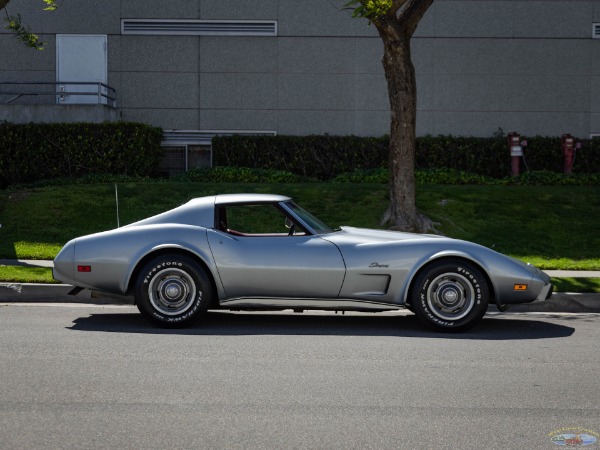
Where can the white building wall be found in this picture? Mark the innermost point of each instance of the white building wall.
(528, 66)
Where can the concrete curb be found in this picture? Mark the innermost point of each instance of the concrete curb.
(562, 302)
(58, 293)
(55, 293)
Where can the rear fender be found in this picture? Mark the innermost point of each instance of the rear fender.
(202, 256)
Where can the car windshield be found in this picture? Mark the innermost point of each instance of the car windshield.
(310, 220)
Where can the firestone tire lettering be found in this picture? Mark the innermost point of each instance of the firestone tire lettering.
(173, 291)
(450, 295)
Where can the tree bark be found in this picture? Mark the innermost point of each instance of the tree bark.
(400, 76)
(396, 32)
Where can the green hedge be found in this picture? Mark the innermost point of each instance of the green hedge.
(325, 157)
(32, 152)
(459, 177)
(321, 157)
(239, 175)
(490, 156)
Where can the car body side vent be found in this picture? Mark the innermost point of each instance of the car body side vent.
(192, 27)
(596, 31)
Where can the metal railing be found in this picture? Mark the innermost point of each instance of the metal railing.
(68, 92)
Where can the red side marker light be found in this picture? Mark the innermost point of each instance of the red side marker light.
(84, 268)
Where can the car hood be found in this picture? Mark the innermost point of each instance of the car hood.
(356, 238)
(368, 236)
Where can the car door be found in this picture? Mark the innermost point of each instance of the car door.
(286, 266)
(255, 259)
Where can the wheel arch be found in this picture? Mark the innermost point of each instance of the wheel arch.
(170, 251)
(448, 257)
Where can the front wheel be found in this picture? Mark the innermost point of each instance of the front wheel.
(173, 291)
(450, 295)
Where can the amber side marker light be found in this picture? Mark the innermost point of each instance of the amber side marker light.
(84, 268)
(520, 287)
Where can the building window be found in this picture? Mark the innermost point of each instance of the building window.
(192, 149)
(199, 156)
(173, 161)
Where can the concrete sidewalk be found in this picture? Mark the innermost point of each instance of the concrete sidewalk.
(59, 293)
(26, 263)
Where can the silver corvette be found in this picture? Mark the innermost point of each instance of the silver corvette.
(264, 252)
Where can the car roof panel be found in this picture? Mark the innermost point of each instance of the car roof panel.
(249, 198)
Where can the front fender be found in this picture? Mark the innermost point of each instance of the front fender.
(404, 292)
(502, 272)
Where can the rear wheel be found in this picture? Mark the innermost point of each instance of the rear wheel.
(450, 295)
(173, 291)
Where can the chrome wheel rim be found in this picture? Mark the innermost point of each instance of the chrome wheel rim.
(172, 291)
(450, 296)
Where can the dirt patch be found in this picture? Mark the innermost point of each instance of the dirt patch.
(15, 197)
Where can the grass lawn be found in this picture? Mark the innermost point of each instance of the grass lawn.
(552, 227)
(576, 285)
(26, 274)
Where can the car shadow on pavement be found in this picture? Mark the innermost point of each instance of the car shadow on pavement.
(505, 327)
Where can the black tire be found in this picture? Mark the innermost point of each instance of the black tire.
(173, 291)
(450, 295)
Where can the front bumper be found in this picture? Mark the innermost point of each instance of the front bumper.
(545, 293)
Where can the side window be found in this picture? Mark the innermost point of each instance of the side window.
(259, 219)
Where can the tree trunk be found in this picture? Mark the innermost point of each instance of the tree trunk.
(400, 78)
(402, 89)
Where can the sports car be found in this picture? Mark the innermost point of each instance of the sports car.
(264, 252)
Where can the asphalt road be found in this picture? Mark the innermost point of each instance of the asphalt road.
(99, 377)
